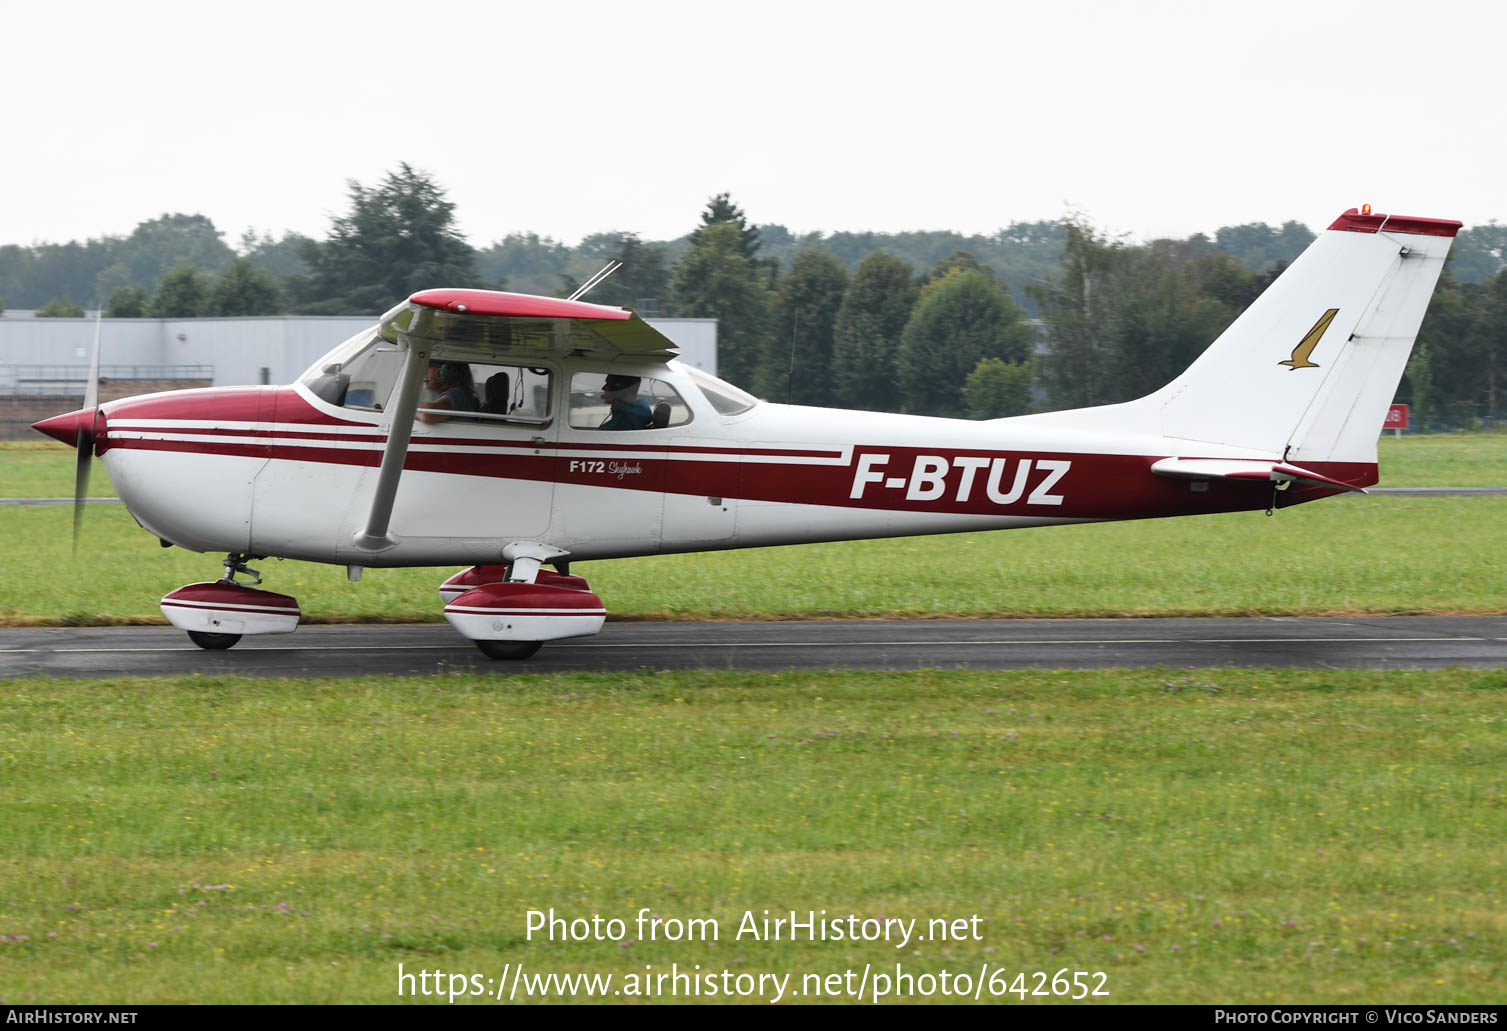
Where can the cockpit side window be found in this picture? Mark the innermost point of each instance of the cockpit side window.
(363, 374)
(485, 391)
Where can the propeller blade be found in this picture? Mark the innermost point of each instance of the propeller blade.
(84, 445)
(82, 460)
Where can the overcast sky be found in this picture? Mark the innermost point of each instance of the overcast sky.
(1152, 117)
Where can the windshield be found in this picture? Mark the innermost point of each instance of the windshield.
(724, 397)
(329, 379)
(360, 373)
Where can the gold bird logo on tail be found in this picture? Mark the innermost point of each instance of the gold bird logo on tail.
(1299, 359)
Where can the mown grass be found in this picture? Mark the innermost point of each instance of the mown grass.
(1241, 836)
(1373, 555)
(44, 469)
(1345, 555)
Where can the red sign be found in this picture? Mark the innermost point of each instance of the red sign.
(1397, 418)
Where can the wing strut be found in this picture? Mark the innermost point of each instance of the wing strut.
(375, 536)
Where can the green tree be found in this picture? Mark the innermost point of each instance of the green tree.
(1258, 246)
(714, 279)
(1449, 337)
(960, 261)
(397, 238)
(244, 289)
(127, 302)
(1419, 388)
(805, 309)
(1161, 315)
(526, 262)
(958, 321)
(1489, 343)
(181, 294)
(60, 308)
(1480, 252)
(721, 210)
(866, 334)
(1074, 370)
(157, 246)
(1124, 321)
(279, 257)
(644, 278)
(996, 389)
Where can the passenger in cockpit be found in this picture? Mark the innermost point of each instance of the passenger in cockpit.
(628, 411)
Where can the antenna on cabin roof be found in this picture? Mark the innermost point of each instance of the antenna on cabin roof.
(606, 270)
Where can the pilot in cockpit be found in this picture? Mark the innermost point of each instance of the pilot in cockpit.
(451, 384)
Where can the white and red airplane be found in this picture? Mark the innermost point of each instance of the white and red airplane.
(353, 466)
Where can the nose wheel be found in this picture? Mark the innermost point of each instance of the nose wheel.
(504, 649)
(213, 642)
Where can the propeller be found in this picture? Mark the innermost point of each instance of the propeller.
(86, 434)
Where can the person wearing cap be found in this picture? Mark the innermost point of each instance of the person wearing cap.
(628, 411)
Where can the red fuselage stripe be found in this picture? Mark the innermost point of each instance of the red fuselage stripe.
(178, 432)
(953, 481)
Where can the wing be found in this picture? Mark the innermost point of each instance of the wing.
(488, 325)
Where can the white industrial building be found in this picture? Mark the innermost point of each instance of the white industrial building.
(259, 349)
(49, 358)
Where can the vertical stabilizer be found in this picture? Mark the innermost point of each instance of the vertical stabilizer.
(1308, 370)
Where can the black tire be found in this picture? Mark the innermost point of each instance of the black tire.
(213, 642)
(509, 649)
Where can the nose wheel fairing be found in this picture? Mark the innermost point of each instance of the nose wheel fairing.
(218, 609)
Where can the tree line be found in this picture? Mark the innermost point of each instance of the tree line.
(1037, 316)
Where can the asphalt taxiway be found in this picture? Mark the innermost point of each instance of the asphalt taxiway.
(1381, 642)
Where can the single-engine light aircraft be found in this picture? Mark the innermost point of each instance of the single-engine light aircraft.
(507, 432)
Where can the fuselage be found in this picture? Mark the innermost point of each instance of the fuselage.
(278, 471)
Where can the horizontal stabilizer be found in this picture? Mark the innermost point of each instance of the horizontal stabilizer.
(1244, 470)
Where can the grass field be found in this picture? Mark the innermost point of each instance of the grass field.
(1342, 555)
(1375, 555)
(1249, 836)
